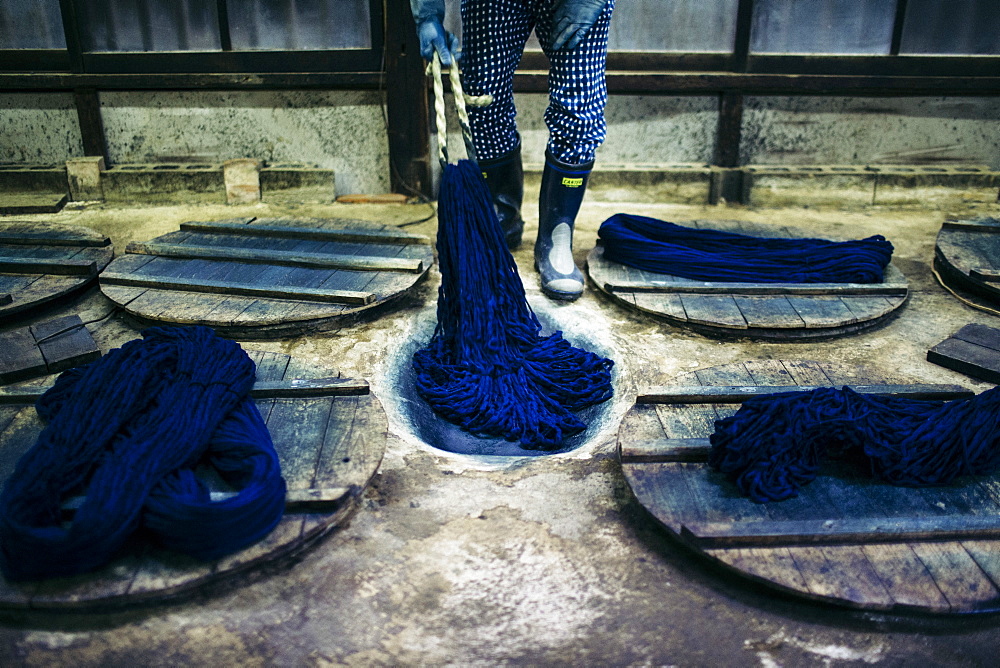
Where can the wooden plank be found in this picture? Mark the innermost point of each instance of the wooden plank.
(65, 343)
(702, 394)
(714, 310)
(988, 225)
(981, 335)
(62, 267)
(288, 389)
(47, 239)
(296, 500)
(957, 251)
(771, 312)
(382, 236)
(20, 357)
(957, 575)
(990, 275)
(667, 305)
(870, 308)
(822, 311)
(844, 530)
(666, 450)
(968, 358)
(731, 288)
(771, 566)
(222, 287)
(287, 258)
(841, 573)
(310, 387)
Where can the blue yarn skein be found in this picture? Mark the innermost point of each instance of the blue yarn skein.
(126, 433)
(487, 368)
(775, 444)
(712, 255)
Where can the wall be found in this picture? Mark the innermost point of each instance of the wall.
(345, 131)
(38, 128)
(333, 129)
(858, 131)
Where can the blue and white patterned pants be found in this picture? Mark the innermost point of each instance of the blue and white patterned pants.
(494, 33)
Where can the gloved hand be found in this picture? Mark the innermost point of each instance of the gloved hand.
(429, 16)
(571, 20)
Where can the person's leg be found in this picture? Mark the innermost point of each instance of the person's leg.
(493, 36)
(575, 118)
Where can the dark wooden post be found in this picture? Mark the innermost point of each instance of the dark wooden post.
(406, 102)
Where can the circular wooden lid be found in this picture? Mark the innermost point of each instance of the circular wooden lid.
(330, 436)
(846, 539)
(772, 311)
(41, 262)
(967, 260)
(267, 277)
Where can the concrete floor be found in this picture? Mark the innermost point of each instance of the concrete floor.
(547, 560)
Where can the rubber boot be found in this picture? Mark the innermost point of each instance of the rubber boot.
(505, 177)
(559, 201)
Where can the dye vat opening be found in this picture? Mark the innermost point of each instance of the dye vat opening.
(437, 432)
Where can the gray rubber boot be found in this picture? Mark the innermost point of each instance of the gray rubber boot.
(563, 187)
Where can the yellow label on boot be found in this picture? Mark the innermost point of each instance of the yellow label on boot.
(571, 182)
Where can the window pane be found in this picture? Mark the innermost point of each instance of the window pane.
(300, 24)
(690, 26)
(822, 26)
(149, 25)
(955, 27)
(31, 24)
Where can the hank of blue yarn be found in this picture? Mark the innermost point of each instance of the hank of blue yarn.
(713, 255)
(126, 433)
(776, 443)
(487, 368)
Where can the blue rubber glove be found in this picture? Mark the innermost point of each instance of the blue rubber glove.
(571, 20)
(429, 16)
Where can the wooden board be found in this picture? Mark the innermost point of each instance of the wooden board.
(41, 263)
(846, 539)
(45, 348)
(771, 311)
(267, 277)
(973, 350)
(330, 436)
(967, 260)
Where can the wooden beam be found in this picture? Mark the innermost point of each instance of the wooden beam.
(296, 500)
(735, 394)
(309, 387)
(406, 104)
(227, 288)
(37, 265)
(300, 388)
(990, 225)
(283, 258)
(42, 239)
(355, 235)
(88, 110)
(708, 288)
(842, 531)
(666, 450)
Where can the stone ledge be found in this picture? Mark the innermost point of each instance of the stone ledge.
(172, 182)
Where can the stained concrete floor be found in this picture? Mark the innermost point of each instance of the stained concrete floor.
(549, 560)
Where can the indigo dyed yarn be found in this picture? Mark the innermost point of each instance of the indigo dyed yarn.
(711, 255)
(126, 433)
(487, 367)
(776, 443)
